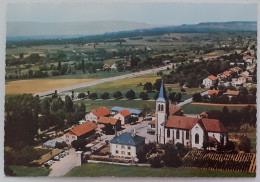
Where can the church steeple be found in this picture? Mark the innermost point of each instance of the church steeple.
(162, 94)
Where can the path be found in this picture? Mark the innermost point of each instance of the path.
(131, 75)
(187, 101)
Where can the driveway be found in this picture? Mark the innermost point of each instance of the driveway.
(62, 167)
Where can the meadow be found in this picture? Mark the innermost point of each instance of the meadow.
(97, 170)
(29, 171)
(40, 85)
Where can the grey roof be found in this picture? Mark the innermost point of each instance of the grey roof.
(133, 111)
(50, 143)
(127, 139)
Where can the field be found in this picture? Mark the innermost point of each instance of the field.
(29, 171)
(41, 85)
(197, 109)
(95, 170)
(135, 104)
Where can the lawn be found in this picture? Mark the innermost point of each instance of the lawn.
(197, 109)
(95, 170)
(135, 104)
(41, 85)
(29, 171)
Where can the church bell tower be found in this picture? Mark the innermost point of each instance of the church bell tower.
(161, 115)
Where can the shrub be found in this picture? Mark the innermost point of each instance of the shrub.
(155, 162)
(81, 95)
(117, 95)
(61, 145)
(93, 96)
(105, 96)
(130, 94)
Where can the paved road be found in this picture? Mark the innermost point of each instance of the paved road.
(131, 75)
(187, 101)
(62, 167)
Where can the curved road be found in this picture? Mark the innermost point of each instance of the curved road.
(131, 75)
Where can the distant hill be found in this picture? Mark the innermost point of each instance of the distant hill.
(75, 32)
(70, 29)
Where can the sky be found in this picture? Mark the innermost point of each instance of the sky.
(151, 13)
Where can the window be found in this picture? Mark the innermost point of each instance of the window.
(197, 138)
(122, 147)
(129, 148)
(116, 151)
(129, 153)
(177, 134)
(116, 146)
(187, 135)
(161, 107)
(168, 133)
(122, 152)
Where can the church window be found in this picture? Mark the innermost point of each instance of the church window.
(162, 107)
(159, 107)
(177, 134)
(168, 133)
(196, 138)
(187, 135)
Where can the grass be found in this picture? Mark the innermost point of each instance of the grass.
(95, 170)
(251, 136)
(29, 171)
(40, 85)
(197, 109)
(135, 104)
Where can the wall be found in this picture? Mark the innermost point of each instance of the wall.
(118, 147)
(197, 130)
(91, 117)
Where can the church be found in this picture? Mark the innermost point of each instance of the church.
(192, 132)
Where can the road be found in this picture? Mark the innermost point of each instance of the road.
(131, 75)
(187, 101)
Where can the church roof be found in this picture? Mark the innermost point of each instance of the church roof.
(162, 95)
(181, 122)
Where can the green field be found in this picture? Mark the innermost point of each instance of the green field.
(95, 170)
(135, 104)
(29, 171)
(197, 109)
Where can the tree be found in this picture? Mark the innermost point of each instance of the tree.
(78, 144)
(178, 97)
(155, 162)
(59, 66)
(245, 144)
(156, 95)
(172, 97)
(223, 99)
(81, 95)
(197, 97)
(253, 91)
(92, 96)
(83, 66)
(130, 94)
(46, 105)
(61, 145)
(141, 155)
(105, 96)
(157, 84)
(68, 104)
(117, 95)
(57, 104)
(148, 87)
(146, 109)
(243, 91)
(30, 73)
(143, 95)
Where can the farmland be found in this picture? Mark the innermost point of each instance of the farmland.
(40, 85)
(97, 170)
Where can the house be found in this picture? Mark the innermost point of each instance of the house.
(246, 73)
(237, 84)
(152, 124)
(95, 114)
(212, 92)
(106, 67)
(209, 81)
(103, 121)
(243, 78)
(226, 74)
(126, 145)
(191, 132)
(123, 116)
(80, 132)
(113, 67)
(232, 93)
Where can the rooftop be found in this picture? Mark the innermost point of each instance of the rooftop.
(213, 78)
(107, 120)
(133, 111)
(211, 92)
(127, 139)
(232, 92)
(83, 128)
(102, 111)
(125, 112)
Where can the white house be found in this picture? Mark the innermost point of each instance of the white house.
(123, 116)
(95, 114)
(209, 81)
(126, 145)
(191, 132)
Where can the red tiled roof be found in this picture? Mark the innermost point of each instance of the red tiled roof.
(181, 122)
(152, 122)
(211, 92)
(213, 78)
(233, 69)
(226, 73)
(83, 128)
(232, 92)
(173, 109)
(107, 120)
(125, 112)
(213, 125)
(249, 57)
(102, 111)
(245, 76)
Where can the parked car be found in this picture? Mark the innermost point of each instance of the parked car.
(57, 158)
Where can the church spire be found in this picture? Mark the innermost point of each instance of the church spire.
(162, 94)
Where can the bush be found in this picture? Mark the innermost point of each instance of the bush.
(61, 145)
(142, 156)
(105, 96)
(171, 158)
(81, 95)
(117, 95)
(130, 94)
(93, 96)
(155, 162)
(197, 97)
(143, 95)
